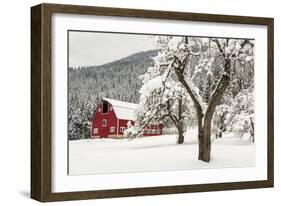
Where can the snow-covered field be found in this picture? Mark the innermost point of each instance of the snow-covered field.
(158, 153)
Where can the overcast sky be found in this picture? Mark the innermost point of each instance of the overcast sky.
(92, 48)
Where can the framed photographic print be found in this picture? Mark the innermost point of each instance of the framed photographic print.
(130, 102)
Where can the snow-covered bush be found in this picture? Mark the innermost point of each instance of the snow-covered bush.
(243, 114)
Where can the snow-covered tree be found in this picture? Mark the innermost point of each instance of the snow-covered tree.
(242, 114)
(79, 122)
(160, 98)
(174, 58)
(177, 108)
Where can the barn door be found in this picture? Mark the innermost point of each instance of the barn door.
(104, 132)
(104, 129)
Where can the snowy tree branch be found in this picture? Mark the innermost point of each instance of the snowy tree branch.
(219, 47)
(247, 41)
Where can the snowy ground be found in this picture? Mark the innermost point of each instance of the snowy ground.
(158, 153)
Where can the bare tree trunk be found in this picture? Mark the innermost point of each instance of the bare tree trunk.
(214, 101)
(200, 136)
(181, 136)
(252, 131)
(206, 138)
(177, 120)
(220, 126)
(180, 122)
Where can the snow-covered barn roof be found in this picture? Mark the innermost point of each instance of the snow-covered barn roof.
(123, 110)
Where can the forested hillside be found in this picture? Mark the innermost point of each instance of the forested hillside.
(88, 85)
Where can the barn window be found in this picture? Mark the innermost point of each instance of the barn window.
(96, 130)
(112, 129)
(103, 122)
(122, 129)
(104, 107)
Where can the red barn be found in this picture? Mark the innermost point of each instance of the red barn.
(111, 119)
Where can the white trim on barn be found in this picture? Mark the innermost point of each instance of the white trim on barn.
(117, 126)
